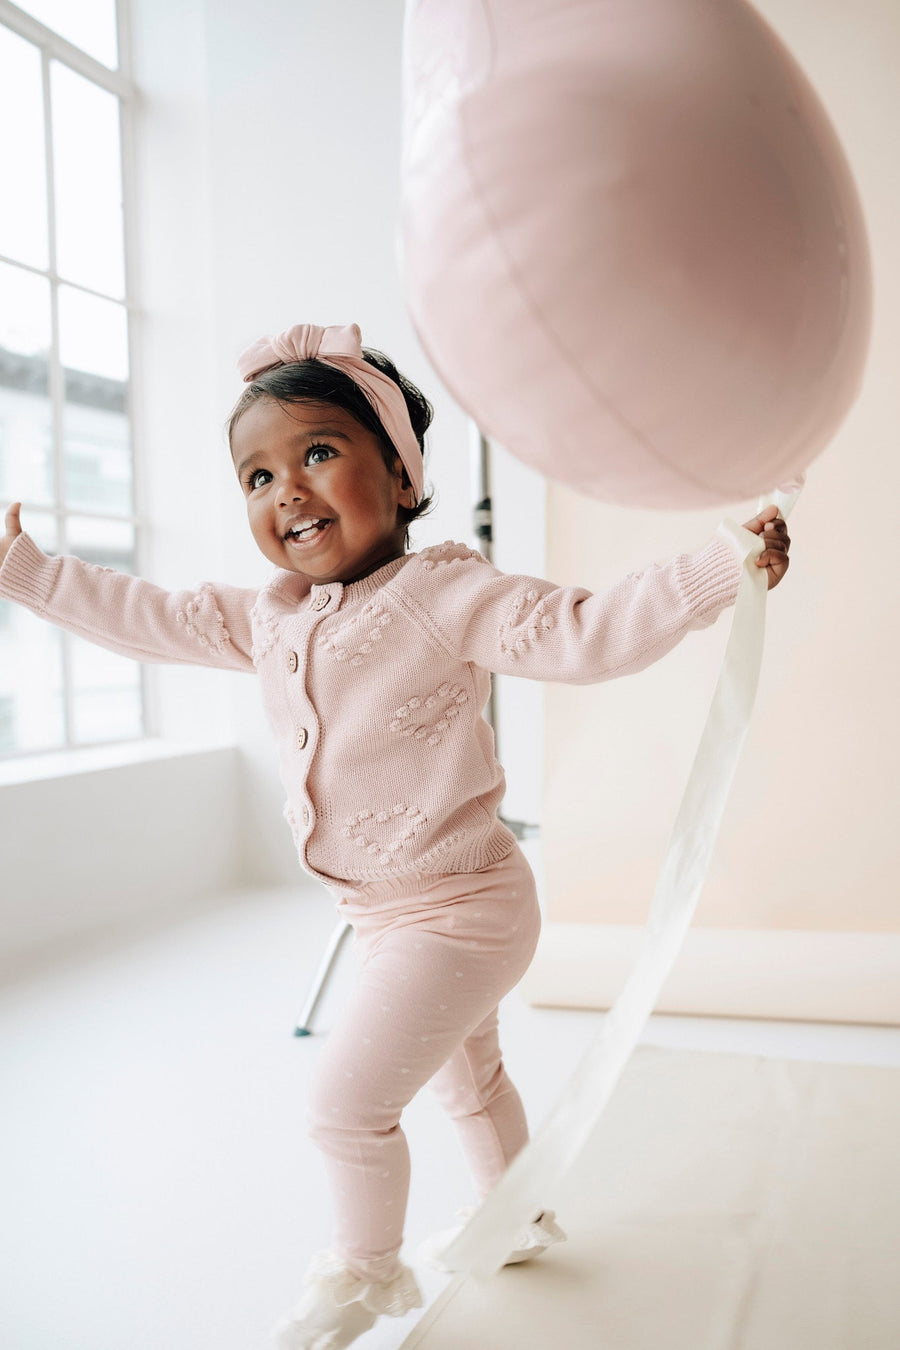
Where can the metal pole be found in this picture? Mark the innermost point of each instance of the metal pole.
(483, 523)
(483, 534)
(303, 1027)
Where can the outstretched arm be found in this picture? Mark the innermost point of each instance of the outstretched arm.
(571, 635)
(209, 626)
(524, 626)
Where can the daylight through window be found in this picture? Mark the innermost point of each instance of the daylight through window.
(65, 422)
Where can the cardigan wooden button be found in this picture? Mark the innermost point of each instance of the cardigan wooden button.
(302, 737)
(306, 815)
(321, 600)
(293, 662)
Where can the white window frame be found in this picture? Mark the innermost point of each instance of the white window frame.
(119, 82)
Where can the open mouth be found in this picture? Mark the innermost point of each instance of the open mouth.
(303, 531)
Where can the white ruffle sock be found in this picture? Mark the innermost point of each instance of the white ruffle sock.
(337, 1306)
(544, 1232)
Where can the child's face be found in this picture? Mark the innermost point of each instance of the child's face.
(312, 468)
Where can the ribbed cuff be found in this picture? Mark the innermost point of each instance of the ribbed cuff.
(709, 579)
(28, 575)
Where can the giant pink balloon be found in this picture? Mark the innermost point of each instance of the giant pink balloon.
(632, 245)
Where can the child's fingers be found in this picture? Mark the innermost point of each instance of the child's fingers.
(776, 536)
(759, 523)
(776, 540)
(13, 522)
(776, 564)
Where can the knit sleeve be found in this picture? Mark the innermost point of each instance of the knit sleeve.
(209, 626)
(518, 625)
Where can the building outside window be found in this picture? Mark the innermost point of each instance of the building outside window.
(66, 446)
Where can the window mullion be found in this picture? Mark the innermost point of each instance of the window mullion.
(133, 398)
(56, 381)
(76, 285)
(54, 369)
(41, 508)
(123, 29)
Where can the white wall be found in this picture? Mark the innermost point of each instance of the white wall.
(809, 841)
(86, 851)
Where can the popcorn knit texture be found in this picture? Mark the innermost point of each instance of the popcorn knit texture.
(375, 689)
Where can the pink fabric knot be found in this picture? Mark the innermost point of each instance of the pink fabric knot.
(303, 342)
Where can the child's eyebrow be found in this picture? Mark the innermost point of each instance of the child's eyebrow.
(301, 436)
(324, 431)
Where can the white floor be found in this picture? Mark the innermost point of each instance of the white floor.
(157, 1191)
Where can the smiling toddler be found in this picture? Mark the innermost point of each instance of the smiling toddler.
(374, 665)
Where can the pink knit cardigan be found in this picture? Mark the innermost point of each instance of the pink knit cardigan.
(375, 689)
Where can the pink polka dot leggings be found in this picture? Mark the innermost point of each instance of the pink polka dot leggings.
(435, 964)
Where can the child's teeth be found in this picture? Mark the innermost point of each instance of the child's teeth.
(304, 531)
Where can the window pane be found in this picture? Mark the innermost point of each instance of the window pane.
(89, 24)
(96, 429)
(31, 671)
(104, 542)
(106, 695)
(42, 528)
(96, 445)
(106, 689)
(26, 424)
(87, 181)
(93, 335)
(31, 682)
(23, 218)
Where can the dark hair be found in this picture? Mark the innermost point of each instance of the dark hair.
(316, 381)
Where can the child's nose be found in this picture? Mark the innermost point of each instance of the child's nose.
(293, 488)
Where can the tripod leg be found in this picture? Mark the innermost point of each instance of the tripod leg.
(329, 957)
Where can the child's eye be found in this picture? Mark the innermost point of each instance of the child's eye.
(253, 480)
(317, 454)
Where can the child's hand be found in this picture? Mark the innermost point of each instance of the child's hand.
(13, 529)
(773, 529)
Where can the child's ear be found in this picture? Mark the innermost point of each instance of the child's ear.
(407, 496)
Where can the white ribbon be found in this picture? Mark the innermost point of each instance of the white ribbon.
(527, 1186)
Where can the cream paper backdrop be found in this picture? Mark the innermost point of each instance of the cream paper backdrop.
(800, 914)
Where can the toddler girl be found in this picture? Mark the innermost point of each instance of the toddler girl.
(374, 666)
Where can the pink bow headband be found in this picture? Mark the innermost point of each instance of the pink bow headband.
(342, 348)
